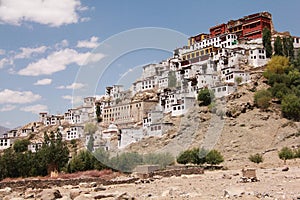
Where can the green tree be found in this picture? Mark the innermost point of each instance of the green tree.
(278, 65)
(21, 145)
(214, 157)
(256, 158)
(98, 114)
(288, 47)
(285, 154)
(184, 157)
(126, 162)
(90, 128)
(279, 90)
(278, 49)
(262, 99)
(90, 145)
(291, 107)
(172, 79)
(54, 152)
(267, 42)
(205, 96)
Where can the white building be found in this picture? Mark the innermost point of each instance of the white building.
(257, 57)
(74, 132)
(5, 143)
(182, 106)
(223, 90)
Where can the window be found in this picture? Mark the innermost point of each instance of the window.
(224, 89)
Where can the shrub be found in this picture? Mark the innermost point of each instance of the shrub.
(286, 153)
(297, 153)
(21, 145)
(262, 99)
(256, 158)
(278, 64)
(214, 157)
(279, 90)
(291, 107)
(126, 162)
(205, 96)
(184, 157)
(161, 159)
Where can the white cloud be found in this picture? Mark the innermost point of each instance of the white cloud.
(62, 44)
(73, 99)
(35, 109)
(73, 86)
(18, 97)
(46, 81)
(27, 52)
(49, 12)
(92, 43)
(3, 62)
(2, 51)
(58, 61)
(7, 107)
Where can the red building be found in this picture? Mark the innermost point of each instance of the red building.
(218, 30)
(254, 24)
(248, 27)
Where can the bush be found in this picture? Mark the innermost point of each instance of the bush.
(278, 64)
(214, 157)
(126, 162)
(291, 107)
(161, 159)
(184, 157)
(205, 96)
(286, 153)
(21, 145)
(256, 158)
(297, 153)
(262, 99)
(279, 90)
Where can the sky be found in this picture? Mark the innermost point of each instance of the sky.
(45, 45)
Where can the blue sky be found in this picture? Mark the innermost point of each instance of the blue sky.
(44, 43)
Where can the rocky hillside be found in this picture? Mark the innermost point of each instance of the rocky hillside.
(3, 130)
(234, 126)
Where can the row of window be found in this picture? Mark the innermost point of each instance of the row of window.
(155, 128)
(178, 107)
(122, 108)
(220, 89)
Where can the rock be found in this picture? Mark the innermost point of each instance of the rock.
(226, 176)
(99, 188)
(29, 195)
(6, 190)
(74, 193)
(124, 196)
(103, 196)
(235, 174)
(49, 194)
(93, 184)
(15, 198)
(285, 169)
(234, 192)
(83, 185)
(65, 198)
(84, 197)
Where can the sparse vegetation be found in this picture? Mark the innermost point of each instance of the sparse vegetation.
(256, 158)
(262, 99)
(285, 154)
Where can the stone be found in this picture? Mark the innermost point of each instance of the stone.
(83, 185)
(49, 194)
(84, 197)
(74, 193)
(234, 192)
(285, 169)
(103, 196)
(93, 184)
(99, 188)
(6, 190)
